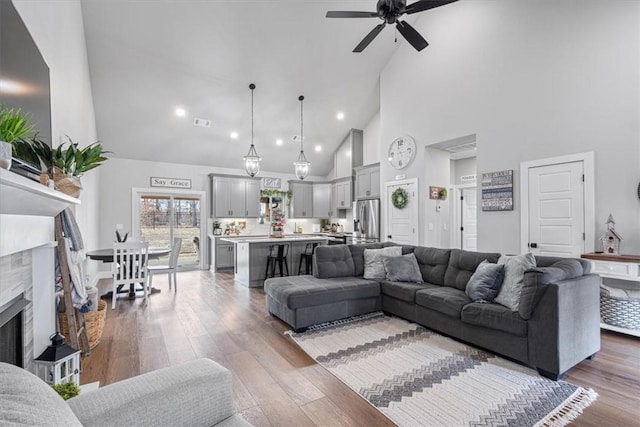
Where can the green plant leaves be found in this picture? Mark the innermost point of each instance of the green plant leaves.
(14, 125)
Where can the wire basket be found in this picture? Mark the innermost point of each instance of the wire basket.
(620, 312)
(94, 321)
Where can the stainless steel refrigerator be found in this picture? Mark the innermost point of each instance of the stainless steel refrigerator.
(366, 219)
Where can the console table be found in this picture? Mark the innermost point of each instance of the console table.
(620, 267)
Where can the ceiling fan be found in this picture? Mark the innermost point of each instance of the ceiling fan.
(389, 11)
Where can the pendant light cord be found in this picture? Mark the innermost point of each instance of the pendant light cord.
(301, 98)
(252, 87)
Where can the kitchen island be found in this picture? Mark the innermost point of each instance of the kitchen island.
(251, 254)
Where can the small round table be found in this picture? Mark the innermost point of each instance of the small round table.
(106, 255)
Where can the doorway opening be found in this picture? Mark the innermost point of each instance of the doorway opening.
(160, 216)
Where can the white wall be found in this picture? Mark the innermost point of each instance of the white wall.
(435, 222)
(371, 141)
(462, 167)
(532, 80)
(58, 31)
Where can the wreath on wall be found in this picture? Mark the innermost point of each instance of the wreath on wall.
(399, 198)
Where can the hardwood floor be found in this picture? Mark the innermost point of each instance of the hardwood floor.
(275, 383)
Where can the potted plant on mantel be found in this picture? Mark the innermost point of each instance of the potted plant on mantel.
(14, 127)
(68, 162)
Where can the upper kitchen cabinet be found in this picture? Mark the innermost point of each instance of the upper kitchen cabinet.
(368, 182)
(348, 155)
(301, 199)
(235, 197)
(322, 205)
(342, 194)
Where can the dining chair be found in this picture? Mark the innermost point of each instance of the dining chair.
(129, 266)
(170, 269)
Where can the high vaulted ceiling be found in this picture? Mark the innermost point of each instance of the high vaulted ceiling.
(148, 57)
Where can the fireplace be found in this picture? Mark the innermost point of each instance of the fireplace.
(12, 333)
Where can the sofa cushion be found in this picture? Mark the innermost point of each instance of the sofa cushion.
(405, 291)
(373, 265)
(332, 261)
(402, 269)
(494, 316)
(485, 283)
(462, 265)
(514, 268)
(537, 278)
(433, 263)
(443, 299)
(27, 400)
(307, 291)
(357, 253)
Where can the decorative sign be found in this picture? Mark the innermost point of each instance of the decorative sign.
(403, 176)
(465, 178)
(170, 182)
(497, 191)
(437, 193)
(271, 183)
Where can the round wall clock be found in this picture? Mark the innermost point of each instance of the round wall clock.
(402, 151)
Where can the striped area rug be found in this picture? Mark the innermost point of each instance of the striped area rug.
(417, 377)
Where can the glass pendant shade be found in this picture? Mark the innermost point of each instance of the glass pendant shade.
(302, 164)
(252, 160)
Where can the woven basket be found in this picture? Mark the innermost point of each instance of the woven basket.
(94, 320)
(67, 184)
(623, 313)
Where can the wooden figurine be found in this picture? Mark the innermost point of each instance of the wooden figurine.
(611, 239)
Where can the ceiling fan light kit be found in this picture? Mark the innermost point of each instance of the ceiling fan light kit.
(252, 160)
(302, 164)
(390, 11)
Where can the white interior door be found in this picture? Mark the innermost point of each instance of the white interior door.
(469, 219)
(402, 224)
(557, 209)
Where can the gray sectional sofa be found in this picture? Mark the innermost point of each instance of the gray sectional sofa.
(556, 326)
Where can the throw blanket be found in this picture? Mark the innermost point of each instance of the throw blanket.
(71, 230)
(75, 259)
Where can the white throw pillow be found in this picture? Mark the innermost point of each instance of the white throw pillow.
(373, 265)
(514, 268)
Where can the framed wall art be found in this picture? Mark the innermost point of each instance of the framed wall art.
(497, 191)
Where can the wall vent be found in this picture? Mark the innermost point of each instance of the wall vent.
(203, 123)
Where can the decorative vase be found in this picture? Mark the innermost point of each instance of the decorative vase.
(5, 155)
(67, 184)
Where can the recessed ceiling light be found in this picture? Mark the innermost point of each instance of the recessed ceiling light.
(180, 112)
(340, 116)
(234, 135)
(318, 147)
(279, 142)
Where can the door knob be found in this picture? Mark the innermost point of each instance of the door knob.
(389, 236)
(533, 245)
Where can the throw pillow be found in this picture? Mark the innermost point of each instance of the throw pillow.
(514, 268)
(485, 283)
(403, 269)
(373, 266)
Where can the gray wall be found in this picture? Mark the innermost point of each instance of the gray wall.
(532, 80)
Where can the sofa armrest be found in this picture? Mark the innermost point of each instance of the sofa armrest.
(197, 393)
(564, 328)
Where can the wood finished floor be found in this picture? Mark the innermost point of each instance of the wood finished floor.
(275, 383)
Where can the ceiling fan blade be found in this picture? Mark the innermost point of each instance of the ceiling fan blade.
(412, 36)
(369, 38)
(339, 14)
(421, 5)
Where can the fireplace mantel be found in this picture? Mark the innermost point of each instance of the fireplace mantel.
(21, 196)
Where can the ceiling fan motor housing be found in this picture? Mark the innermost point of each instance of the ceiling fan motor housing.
(390, 10)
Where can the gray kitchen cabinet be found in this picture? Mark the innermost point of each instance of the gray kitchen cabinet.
(368, 182)
(322, 203)
(342, 194)
(301, 199)
(235, 197)
(348, 155)
(222, 254)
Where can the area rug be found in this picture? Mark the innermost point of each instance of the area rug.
(417, 377)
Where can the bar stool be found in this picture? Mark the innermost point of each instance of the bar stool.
(307, 256)
(277, 254)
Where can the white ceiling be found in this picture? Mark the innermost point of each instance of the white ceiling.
(148, 57)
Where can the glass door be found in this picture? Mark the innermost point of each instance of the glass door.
(163, 216)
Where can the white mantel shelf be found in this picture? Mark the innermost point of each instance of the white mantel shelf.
(21, 196)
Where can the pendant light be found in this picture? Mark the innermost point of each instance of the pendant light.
(302, 164)
(252, 160)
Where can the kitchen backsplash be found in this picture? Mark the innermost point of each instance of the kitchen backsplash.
(251, 226)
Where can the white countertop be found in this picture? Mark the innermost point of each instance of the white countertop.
(267, 239)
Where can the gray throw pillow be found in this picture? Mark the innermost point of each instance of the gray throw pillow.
(485, 283)
(373, 266)
(514, 268)
(403, 269)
